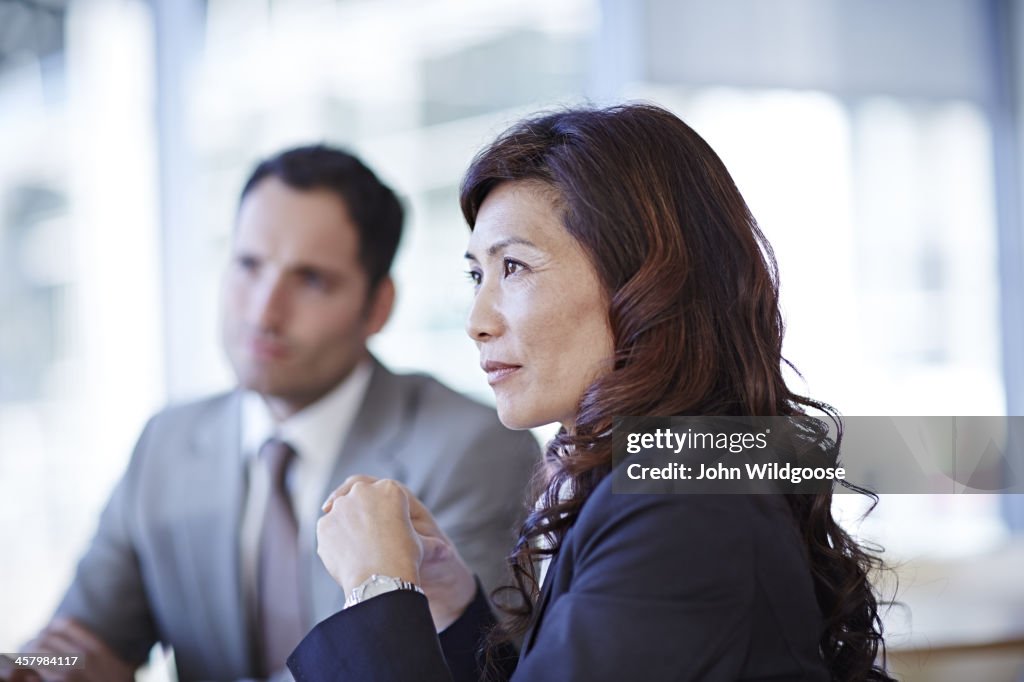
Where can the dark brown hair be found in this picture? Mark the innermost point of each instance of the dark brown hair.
(374, 208)
(694, 312)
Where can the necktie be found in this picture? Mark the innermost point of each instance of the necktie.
(280, 619)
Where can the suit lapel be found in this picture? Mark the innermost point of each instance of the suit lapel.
(542, 602)
(213, 490)
(370, 448)
(549, 590)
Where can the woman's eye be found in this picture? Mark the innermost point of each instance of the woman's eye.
(475, 276)
(511, 267)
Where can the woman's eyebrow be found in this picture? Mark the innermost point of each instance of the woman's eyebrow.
(502, 243)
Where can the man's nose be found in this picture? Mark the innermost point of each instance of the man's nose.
(269, 307)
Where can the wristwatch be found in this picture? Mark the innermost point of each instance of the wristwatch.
(378, 584)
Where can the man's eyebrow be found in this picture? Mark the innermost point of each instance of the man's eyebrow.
(308, 266)
(502, 243)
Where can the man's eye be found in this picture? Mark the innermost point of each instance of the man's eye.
(314, 279)
(247, 263)
(511, 267)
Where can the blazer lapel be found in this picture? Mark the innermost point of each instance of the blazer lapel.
(370, 449)
(213, 490)
(542, 602)
(548, 591)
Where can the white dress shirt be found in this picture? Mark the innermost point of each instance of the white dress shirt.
(544, 541)
(317, 434)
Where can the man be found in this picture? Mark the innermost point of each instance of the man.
(208, 542)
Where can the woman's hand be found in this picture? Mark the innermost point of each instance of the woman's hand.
(367, 529)
(442, 573)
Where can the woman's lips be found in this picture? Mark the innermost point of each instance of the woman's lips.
(499, 371)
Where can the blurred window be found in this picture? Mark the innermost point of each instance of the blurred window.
(881, 214)
(80, 308)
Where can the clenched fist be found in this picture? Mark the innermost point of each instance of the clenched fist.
(378, 526)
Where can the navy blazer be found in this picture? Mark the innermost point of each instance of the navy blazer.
(645, 587)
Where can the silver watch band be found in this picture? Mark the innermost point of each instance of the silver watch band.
(381, 584)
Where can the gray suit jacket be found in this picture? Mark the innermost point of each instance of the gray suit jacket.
(165, 566)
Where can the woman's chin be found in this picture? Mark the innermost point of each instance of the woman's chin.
(518, 420)
(515, 423)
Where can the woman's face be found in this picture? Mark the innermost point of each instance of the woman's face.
(540, 314)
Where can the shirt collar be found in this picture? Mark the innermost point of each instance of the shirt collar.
(317, 431)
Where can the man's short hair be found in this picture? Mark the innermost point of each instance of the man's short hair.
(371, 204)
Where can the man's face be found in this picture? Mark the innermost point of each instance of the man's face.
(297, 309)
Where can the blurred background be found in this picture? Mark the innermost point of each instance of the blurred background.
(876, 141)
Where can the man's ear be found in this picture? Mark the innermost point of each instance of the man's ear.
(382, 301)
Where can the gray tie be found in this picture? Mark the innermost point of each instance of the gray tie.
(280, 619)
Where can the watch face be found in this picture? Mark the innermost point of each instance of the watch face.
(379, 584)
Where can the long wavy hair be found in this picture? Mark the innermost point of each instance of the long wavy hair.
(692, 285)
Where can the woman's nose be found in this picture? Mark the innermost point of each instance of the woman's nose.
(484, 320)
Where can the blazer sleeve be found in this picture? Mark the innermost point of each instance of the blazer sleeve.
(107, 594)
(391, 638)
(661, 590)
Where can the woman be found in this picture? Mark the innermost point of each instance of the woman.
(617, 271)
